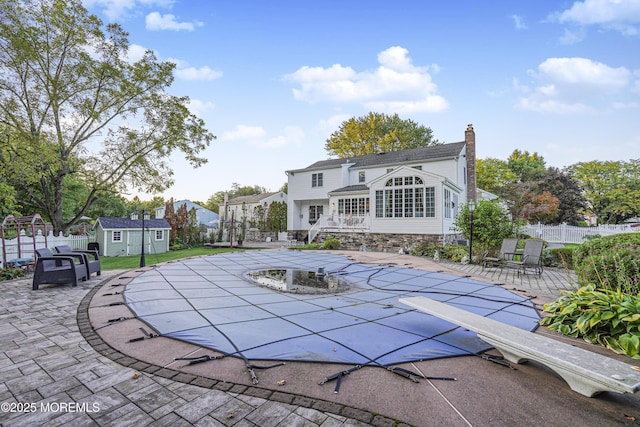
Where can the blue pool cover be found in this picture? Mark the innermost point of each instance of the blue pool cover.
(211, 302)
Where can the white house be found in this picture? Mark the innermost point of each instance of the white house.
(385, 199)
(204, 216)
(248, 206)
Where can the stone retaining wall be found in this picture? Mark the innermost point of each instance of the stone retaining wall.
(379, 242)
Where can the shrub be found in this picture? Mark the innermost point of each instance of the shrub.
(452, 252)
(560, 257)
(11, 273)
(330, 243)
(491, 224)
(426, 249)
(607, 317)
(611, 262)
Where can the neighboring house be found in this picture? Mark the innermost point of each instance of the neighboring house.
(204, 216)
(248, 206)
(122, 236)
(384, 200)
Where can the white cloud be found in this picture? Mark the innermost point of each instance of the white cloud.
(156, 22)
(519, 22)
(115, 9)
(619, 15)
(573, 85)
(202, 73)
(395, 86)
(135, 53)
(200, 108)
(257, 136)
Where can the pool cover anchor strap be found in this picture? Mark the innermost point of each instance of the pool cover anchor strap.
(338, 377)
(498, 360)
(414, 377)
(254, 377)
(196, 360)
(146, 334)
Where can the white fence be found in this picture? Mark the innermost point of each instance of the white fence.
(12, 251)
(569, 234)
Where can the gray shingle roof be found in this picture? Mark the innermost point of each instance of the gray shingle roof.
(433, 152)
(127, 223)
(350, 188)
(252, 198)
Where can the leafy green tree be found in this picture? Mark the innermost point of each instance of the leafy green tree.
(277, 216)
(493, 174)
(528, 167)
(74, 107)
(491, 224)
(8, 201)
(375, 133)
(611, 188)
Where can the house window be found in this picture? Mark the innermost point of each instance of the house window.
(316, 180)
(159, 234)
(447, 203)
(361, 176)
(354, 206)
(314, 213)
(116, 236)
(405, 197)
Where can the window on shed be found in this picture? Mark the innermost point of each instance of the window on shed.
(116, 236)
(159, 234)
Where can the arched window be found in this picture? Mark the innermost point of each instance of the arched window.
(405, 197)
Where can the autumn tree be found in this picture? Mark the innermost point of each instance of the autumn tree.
(178, 220)
(526, 203)
(375, 133)
(75, 109)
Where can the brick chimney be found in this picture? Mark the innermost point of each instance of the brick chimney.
(470, 140)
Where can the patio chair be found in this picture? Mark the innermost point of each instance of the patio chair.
(58, 269)
(507, 253)
(531, 258)
(91, 258)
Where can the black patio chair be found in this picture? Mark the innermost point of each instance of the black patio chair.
(91, 258)
(58, 269)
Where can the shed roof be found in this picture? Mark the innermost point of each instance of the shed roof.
(127, 223)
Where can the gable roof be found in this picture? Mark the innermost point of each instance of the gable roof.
(434, 152)
(127, 223)
(254, 198)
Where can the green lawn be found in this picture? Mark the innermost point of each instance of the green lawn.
(133, 261)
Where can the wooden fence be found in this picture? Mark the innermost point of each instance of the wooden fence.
(564, 233)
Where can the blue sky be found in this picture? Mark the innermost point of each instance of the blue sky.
(273, 80)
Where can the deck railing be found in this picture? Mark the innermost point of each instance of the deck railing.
(339, 224)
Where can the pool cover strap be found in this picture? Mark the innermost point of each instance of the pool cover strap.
(414, 377)
(338, 377)
(146, 335)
